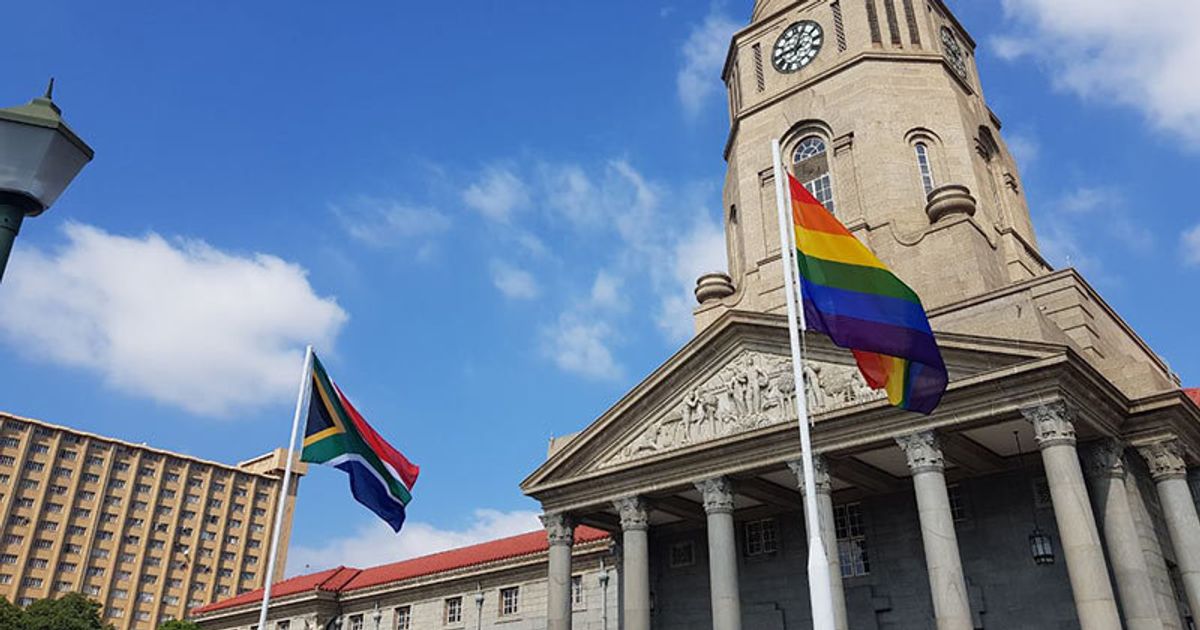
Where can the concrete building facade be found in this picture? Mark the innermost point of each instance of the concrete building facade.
(1053, 488)
(147, 533)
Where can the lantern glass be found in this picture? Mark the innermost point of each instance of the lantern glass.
(1041, 547)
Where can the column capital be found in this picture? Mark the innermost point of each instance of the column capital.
(634, 515)
(924, 451)
(718, 495)
(820, 473)
(1051, 424)
(1105, 458)
(560, 528)
(1165, 458)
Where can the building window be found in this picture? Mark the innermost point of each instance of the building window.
(958, 507)
(510, 600)
(924, 166)
(810, 165)
(761, 537)
(851, 539)
(577, 591)
(283, 625)
(1041, 494)
(404, 618)
(683, 554)
(356, 622)
(453, 613)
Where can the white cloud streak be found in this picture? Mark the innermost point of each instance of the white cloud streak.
(383, 223)
(703, 56)
(374, 543)
(1190, 241)
(1143, 55)
(498, 195)
(514, 283)
(177, 321)
(581, 346)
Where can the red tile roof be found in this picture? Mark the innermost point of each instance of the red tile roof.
(344, 579)
(1194, 394)
(329, 580)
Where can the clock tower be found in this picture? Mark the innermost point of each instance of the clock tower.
(880, 111)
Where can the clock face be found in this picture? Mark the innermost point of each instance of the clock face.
(798, 46)
(954, 52)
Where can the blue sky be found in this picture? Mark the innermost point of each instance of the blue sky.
(487, 216)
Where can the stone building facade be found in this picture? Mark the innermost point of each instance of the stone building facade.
(147, 533)
(498, 584)
(1054, 487)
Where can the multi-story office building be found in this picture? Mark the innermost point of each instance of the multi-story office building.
(147, 533)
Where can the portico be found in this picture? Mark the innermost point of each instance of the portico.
(922, 517)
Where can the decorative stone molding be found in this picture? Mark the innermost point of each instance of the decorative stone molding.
(1166, 459)
(718, 495)
(754, 390)
(1105, 458)
(947, 200)
(820, 474)
(634, 515)
(713, 286)
(560, 528)
(1051, 424)
(924, 452)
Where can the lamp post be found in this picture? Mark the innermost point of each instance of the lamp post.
(479, 610)
(39, 156)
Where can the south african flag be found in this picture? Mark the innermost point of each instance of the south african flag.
(336, 435)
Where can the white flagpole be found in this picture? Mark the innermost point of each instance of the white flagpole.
(301, 406)
(820, 590)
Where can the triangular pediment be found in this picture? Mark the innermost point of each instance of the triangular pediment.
(733, 381)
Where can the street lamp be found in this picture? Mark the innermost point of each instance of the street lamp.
(479, 610)
(39, 156)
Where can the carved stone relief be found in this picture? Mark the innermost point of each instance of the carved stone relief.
(754, 390)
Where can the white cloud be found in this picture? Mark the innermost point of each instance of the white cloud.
(386, 222)
(700, 251)
(499, 194)
(514, 283)
(1142, 55)
(374, 543)
(177, 321)
(581, 347)
(1086, 200)
(608, 292)
(703, 56)
(1191, 245)
(1025, 148)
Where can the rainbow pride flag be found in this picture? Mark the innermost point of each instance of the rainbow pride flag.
(850, 295)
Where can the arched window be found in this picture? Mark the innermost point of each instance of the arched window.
(924, 166)
(810, 165)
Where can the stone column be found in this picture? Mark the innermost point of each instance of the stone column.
(1055, 436)
(1105, 467)
(1168, 468)
(560, 530)
(951, 604)
(722, 554)
(828, 532)
(635, 546)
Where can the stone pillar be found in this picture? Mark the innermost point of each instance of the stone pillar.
(635, 547)
(1105, 467)
(828, 532)
(1168, 468)
(951, 603)
(722, 554)
(560, 530)
(1055, 436)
